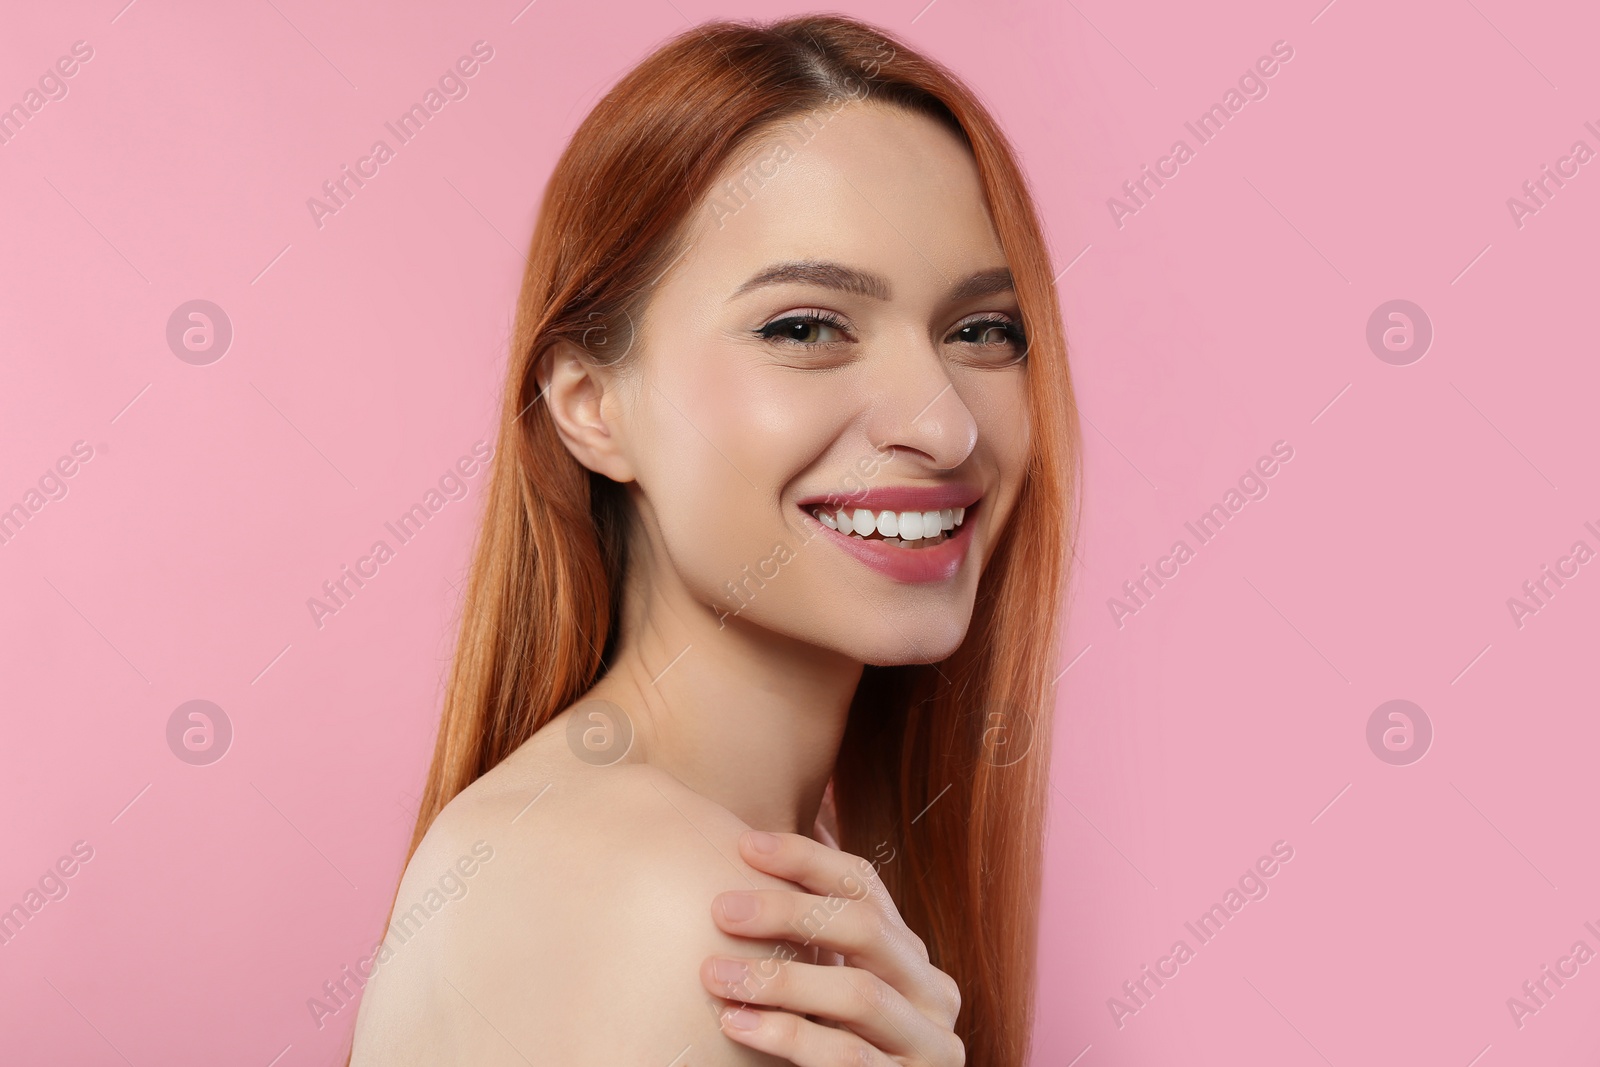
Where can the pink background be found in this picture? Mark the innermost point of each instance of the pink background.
(1229, 313)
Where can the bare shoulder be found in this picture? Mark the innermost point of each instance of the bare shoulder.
(558, 913)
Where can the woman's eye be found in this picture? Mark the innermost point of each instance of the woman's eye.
(999, 336)
(984, 334)
(804, 330)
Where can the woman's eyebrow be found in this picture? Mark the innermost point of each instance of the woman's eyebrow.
(983, 283)
(864, 283)
(827, 275)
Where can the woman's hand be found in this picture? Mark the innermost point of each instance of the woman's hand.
(886, 1004)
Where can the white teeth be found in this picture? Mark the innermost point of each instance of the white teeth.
(915, 529)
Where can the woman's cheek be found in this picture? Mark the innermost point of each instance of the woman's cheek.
(708, 479)
(727, 436)
(784, 421)
(1004, 427)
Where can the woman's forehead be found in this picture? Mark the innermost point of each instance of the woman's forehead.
(881, 189)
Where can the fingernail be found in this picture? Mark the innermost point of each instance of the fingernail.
(740, 1019)
(729, 972)
(739, 906)
(762, 841)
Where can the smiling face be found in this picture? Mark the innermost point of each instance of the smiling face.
(840, 336)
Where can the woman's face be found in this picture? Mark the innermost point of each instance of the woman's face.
(841, 335)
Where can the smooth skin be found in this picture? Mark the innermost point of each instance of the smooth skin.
(593, 935)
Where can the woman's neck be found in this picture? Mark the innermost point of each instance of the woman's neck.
(746, 718)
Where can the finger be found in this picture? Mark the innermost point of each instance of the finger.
(858, 931)
(823, 870)
(813, 865)
(856, 999)
(799, 1041)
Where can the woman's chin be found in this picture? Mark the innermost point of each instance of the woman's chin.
(906, 645)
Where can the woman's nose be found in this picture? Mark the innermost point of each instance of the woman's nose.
(918, 409)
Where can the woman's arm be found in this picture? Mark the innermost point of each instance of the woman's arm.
(580, 942)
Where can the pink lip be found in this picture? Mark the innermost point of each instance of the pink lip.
(900, 498)
(937, 564)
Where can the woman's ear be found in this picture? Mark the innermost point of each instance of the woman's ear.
(584, 404)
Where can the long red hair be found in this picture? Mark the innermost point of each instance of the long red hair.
(944, 764)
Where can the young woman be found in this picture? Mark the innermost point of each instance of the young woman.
(744, 754)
